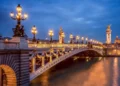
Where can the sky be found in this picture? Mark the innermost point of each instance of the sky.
(88, 18)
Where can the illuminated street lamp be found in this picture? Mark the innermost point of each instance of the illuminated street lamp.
(34, 32)
(51, 34)
(82, 40)
(18, 30)
(77, 38)
(63, 36)
(86, 40)
(71, 38)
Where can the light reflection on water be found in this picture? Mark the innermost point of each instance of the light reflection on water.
(100, 73)
(115, 72)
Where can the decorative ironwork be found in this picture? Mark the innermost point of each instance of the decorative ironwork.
(19, 29)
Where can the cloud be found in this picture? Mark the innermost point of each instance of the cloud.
(78, 16)
(78, 19)
(89, 22)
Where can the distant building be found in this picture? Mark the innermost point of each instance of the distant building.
(108, 35)
(117, 40)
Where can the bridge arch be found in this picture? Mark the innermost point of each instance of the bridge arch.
(40, 70)
(10, 75)
(9, 63)
(99, 52)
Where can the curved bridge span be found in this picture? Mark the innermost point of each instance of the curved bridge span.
(56, 61)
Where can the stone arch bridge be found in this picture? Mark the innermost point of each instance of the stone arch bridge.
(56, 55)
(19, 66)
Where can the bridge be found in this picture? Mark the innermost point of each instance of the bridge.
(58, 55)
(22, 60)
(22, 63)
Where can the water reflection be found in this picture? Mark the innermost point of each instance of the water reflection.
(101, 73)
(115, 72)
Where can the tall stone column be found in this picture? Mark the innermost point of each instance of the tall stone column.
(61, 36)
(108, 34)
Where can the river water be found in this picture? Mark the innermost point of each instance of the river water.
(105, 72)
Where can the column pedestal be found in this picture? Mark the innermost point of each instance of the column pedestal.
(22, 42)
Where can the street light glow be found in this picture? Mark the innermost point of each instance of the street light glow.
(86, 39)
(82, 38)
(25, 16)
(19, 15)
(63, 35)
(34, 30)
(11, 14)
(77, 37)
(19, 9)
(50, 33)
(71, 36)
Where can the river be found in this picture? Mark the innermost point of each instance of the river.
(105, 72)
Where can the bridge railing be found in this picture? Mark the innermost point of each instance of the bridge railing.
(57, 45)
(97, 47)
(9, 45)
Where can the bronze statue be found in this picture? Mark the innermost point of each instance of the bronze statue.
(22, 31)
(108, 27)
(18, 31)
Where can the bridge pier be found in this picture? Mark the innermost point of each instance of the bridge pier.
(15, 64)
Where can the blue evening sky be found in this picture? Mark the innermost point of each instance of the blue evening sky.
(87, 18)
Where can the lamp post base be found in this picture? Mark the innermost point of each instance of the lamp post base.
(22, 42)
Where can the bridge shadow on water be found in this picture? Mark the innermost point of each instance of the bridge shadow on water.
(66, 68)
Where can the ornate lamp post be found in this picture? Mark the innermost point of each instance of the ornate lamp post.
(34, 32)
(63, 36)
(51, 34)
(86, 40)
(71, 38)
(18, 30)
(77, 39)
(82, 40)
